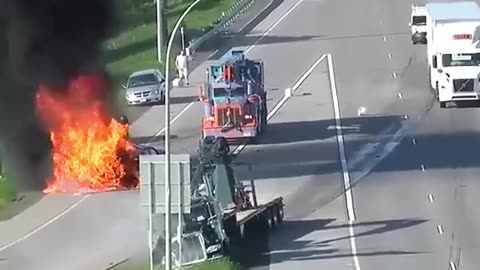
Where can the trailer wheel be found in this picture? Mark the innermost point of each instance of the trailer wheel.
(225, 247)
(279, 212)
(269, 219)
(261, 124)
(241, 231)
(274, 218)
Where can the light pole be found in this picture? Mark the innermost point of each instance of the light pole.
(168, 242)
(159, 30)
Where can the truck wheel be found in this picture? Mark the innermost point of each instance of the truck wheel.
(443, 104)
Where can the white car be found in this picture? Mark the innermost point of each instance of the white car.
(145, 86)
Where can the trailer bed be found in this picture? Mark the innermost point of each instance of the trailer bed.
(246, 215)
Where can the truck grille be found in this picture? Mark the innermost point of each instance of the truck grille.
(235, 116)
(463, 85)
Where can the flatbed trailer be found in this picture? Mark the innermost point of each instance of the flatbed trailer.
(264, 215)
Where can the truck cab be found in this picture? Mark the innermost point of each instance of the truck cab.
(234, 98)
(459, 75)
(452, 51)
(418, 24)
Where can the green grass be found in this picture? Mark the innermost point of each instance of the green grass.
(219, 264)
(7, 192)
(135, 47)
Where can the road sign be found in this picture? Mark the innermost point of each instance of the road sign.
(152, 177)
(152, 199)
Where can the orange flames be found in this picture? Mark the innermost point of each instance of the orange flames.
(91, 152)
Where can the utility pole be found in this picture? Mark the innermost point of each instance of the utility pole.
(162, 27)
(164, 22)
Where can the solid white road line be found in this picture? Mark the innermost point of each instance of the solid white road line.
(353, 245)
(343, 160)
(341, 144)
(284, 99)
(45, 224)
(430, 198)
(160, 132)
(452, 265)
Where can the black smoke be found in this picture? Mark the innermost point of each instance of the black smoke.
(43, 42)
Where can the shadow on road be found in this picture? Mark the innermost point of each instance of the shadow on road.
(323, 250)
(183, 100)
(286, 244)
(302, 131)
(310, 147)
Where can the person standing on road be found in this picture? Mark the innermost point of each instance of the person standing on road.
(182, 66)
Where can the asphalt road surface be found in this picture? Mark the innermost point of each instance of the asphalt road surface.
(411, 164)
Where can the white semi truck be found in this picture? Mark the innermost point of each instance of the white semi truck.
(453, 32)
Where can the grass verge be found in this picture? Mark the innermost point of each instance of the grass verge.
(7, 192)
(135, 47)
(219, 264)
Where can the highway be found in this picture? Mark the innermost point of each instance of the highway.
(413, 206)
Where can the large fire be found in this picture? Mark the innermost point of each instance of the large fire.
(91, 151)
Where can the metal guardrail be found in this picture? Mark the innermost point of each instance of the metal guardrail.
(221, 22)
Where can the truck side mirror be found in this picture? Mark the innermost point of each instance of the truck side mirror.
(124, 86)
(410, 24)
(434, 61)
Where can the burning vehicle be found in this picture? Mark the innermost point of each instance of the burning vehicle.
(56, 97)
(91, 151)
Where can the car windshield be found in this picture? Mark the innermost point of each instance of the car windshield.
(461, 59)
(222, 92)
(142, 80)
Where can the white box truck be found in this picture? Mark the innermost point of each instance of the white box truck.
(453, 32)
(418, 24)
